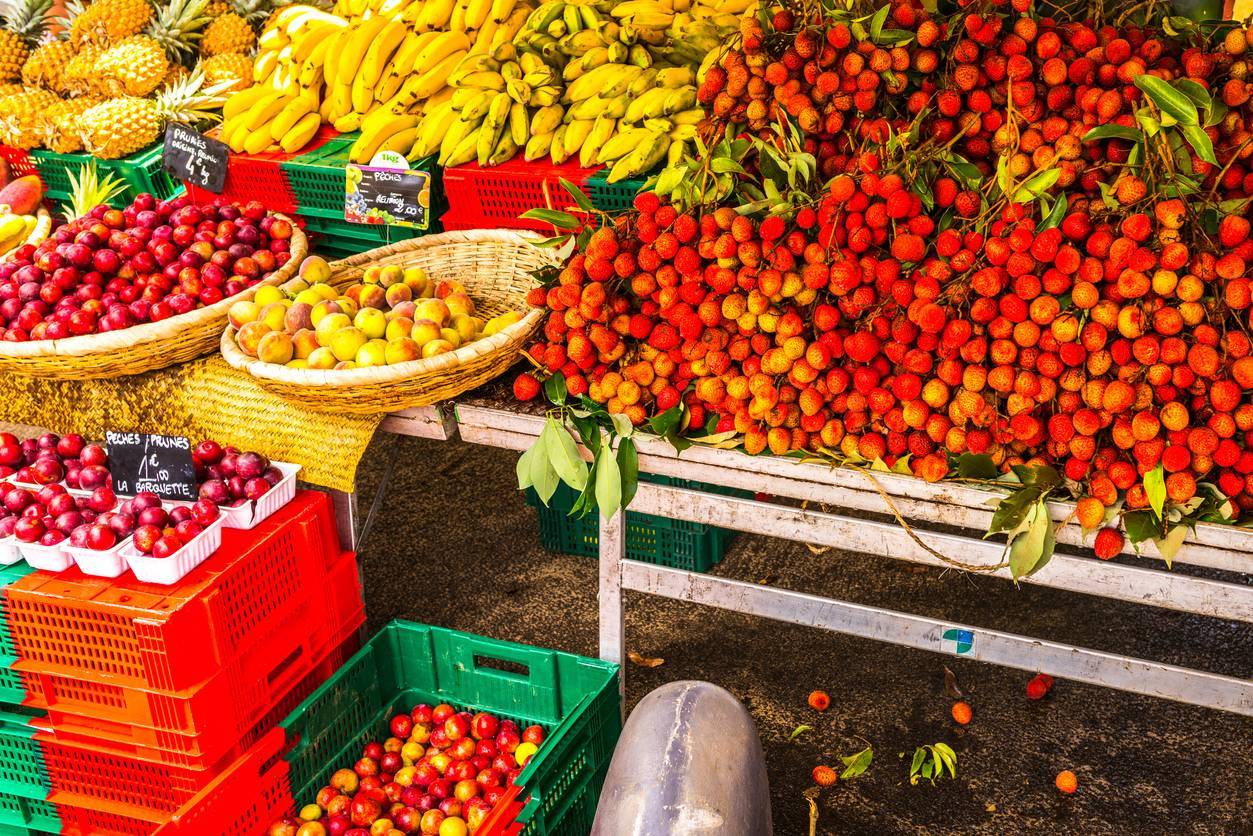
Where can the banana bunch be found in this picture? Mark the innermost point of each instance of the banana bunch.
(18, 230)
(488, 118)
(261, 118)
(291, 34)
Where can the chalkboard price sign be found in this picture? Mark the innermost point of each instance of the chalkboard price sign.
(385, 195)
(194, 158)
(158, 463)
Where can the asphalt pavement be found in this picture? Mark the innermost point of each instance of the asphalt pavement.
(453, 543)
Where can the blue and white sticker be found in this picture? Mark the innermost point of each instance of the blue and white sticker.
(958, 641)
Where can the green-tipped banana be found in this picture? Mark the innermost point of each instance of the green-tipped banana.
(648, 105)
(676, 152)
(601, 131)
(573, 20)
(645, 156)
(622, 143)
(682, 99)
(639, 56)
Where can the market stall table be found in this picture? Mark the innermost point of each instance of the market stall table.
(963, 512)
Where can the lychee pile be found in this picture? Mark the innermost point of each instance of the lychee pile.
(902, 312)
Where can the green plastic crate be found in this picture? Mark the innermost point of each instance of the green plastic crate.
(613, 197)
(317, 181)
(679, 544)
(20, 815)
(9, 574)
(341, 239)
(574, 698)
(141, 171)
(22, 770)
(12, 691)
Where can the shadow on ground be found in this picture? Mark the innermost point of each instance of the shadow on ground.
(454, 544)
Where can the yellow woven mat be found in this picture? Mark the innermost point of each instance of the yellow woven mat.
(202, 399)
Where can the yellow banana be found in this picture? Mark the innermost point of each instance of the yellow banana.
(606, 81)
(537, 146)
(692, 116)
(679, 100)
(476, 13)
(645, 156)
(335, 49)
(465, 151)
(244, 99)
(475, 110)
(473, 62)
(264, 67)
(367, 145)
(676, 152)
(576, 133)
(272, 39)
(348, 123)
(484, 37)
(430, 82)
(435, 15)
(434, 125)
(292, 112)
(504, 151)
(400, 142)
(341, 101)
(675, 77)
(483, 80)
(443, 45)
(266, 109)
(362, 94)
(402, 62)
(546, 119)
(622, 143)
(501, 9)
(439, 97)
(356, 46)
(557, 149)
(644, 82)
(494, 124)
(458, 20)
(601, 131)
(301, 133)
(518, 124)
(381, 50)
(258, 140)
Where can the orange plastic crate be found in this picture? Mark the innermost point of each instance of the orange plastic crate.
(245, 798)
(129, 634)
(199, 727)
(100, 773)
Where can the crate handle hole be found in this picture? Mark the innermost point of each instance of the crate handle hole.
(502, 665)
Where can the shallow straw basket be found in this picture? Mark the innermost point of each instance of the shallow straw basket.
(494, 265)
(141, 348)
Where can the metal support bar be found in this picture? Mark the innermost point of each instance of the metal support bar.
(1124, 673)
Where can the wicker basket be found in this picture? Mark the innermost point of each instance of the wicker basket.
(495, 267)
(141, 348)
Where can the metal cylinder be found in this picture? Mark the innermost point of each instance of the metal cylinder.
(688, 764)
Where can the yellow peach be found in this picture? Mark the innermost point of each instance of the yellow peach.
(304, 343)
(373, 353)
(373, 296)
(401, 350)
(434, 310)
(450, 336)
(321, 308)
(329, 325)
(372, 274)
(346, 342)
(459, 303)
(322, 358)
(315, 269)
(241, 313)
(309, 296)
(398, 327)
(424, 331)
(398, 293)
(391, 274)
(297, 364)
(372, 322)
(268, 295)
(345, 364)
(275, 347)
(435, 347)
(416, 278)
(250, 336)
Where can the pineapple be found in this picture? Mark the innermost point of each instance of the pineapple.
(106, 22)
(19, 113)
(79, 76)
(179, 27)
(18, 34)
(122, 126)
(46, 66)
(233, 26)
(134, 67)
(231, 67)
(58, 125)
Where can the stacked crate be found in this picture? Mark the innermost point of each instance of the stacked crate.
(162, 701)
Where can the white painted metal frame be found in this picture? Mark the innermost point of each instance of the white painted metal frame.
(953, 506)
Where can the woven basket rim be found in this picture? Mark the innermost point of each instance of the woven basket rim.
(411, 369)
(150, 332)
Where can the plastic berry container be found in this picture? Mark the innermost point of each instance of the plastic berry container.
(172, 569)
(249, 513)
(48, 558)
(109, 563)
(9, 553)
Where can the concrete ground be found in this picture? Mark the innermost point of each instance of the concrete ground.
(454, 544)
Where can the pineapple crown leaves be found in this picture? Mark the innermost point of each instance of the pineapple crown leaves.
(29, 20)
(190, 101)
(88, 191)
(179, 26)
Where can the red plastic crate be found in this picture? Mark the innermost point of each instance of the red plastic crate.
(495, 197)
(260, 177)
(245, 798)
(129, 634)
(200, 727)
(20, 162)
(144, 781)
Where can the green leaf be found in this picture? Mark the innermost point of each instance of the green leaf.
(920, 754)
(629, 469)
(621, 425)
(798, 731)
(895, 37)
(1043, 476)
(1112, 132)
(1198, 94)
(564, 455)
(669, 180)
(1169, 545)
(543, 475)
(855, 765)
(1026, 549)
(581, 200)
(608, 483)
(561, 220)
(1152, 127)
(1200, 142)
(1037, 185)
(1013, 509)
(976, 466)
(948, 756)
(1155, 489)
(859, 31)
(1055, 215)
(1140, 526)
(1002, 174)
(723, 165)
(523, 468)
(555, 241)
(667, 421)
(589, 431)
(880, 465)
(1168, 99)
(1046, 552)
(555, 389)
(876, 23)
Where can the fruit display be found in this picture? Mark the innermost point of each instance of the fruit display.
(394, 315)
(440, 772)
(952, 257)
(53, 458)
(23, 220)
(160, 532)
(51, 515)
(114, 268)
(119, 71)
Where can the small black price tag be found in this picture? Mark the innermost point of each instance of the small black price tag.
(195, 158)
(391, 196)
(158, 463)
